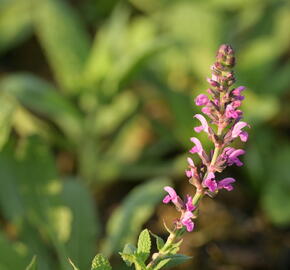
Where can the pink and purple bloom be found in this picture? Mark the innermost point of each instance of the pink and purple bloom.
(223, 125)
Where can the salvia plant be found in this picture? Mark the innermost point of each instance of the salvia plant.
(225, 125)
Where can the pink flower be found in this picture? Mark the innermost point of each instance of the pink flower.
(237, 92)
(206, 110)
(174, 198)
(171, 197)
(231, 112)
(226, 183)
(201, 100)
(204, 125)
(189, 206)
(187, 222)
(190, 173)
(237, 131)
(197, 148)
(231, 154)
(210, 182)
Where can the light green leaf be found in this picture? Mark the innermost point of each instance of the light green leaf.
(100, 262)
(32, 265)
(41, 97)
(15, 22)
(129, 259)
(128, 250)
(144, 245)
(85, 227)
(127, 220)
(159, 241)
(7, 108)
(64, 40)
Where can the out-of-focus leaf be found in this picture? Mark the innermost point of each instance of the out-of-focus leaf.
(41, 97)
(10, 257)
(171, 260)
(126, 221)
(276, 189)
(107, 120)
(100, 262)
(120, 50)
(85, 228)
(15, 22)
(32, 265)
(64, 39)
(7, 108)
(73, 265)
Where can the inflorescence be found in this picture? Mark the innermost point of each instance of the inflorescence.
(221, 106)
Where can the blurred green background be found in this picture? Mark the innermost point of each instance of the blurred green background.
(96, 105)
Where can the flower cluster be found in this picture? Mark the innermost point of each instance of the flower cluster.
(221, 106)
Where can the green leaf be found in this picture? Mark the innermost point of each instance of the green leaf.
(129, 259)
(144, 245)
(72, 264)
(64, 40)
(100, 262)
(85, 227)
(10, 257)
(32, 265)
(42, 98)
(171, 260)
(7, 108)
(128, 250)
(15, 23)
(127, 220)
(159, 241)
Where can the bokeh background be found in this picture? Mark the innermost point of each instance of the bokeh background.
(96, 106)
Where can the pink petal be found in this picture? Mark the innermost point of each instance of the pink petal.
(167, 199)
(190, 162)
(226, 183)
(237, 128)
(171, 192)
(189, 206)
(198, 147)
(204, 124)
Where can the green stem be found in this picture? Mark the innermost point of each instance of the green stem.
(163, 251)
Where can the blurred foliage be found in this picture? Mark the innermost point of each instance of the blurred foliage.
(97, 94)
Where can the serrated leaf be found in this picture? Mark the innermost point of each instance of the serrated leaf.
(129, 259)
(159, 241)
(64, 39)
(127, 220)
(144, 245)
(100, 262)
(128, 250)
(32, 265)
(72, 264)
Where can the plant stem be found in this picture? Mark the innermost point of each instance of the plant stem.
(163, 251)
